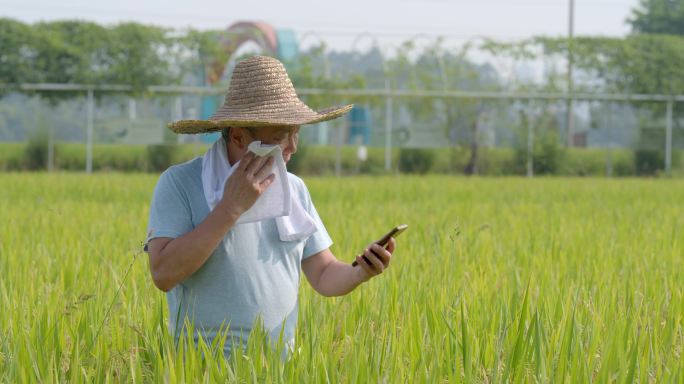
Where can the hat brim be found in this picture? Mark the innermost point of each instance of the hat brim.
(206, 126)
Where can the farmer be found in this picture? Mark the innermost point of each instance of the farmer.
(230, 232)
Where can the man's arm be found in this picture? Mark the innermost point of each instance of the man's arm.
(331, 277)
(173, 260)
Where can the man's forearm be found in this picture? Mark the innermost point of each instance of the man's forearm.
(184, 255)
(339, 278)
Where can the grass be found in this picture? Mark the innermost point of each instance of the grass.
(496, 280)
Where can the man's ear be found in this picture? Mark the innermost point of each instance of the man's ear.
(238, 137)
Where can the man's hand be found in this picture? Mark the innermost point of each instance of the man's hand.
(331, 277)
(247, 183)
(173, 260)
(378, 259)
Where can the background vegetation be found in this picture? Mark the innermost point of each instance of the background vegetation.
(139, 56)
(320, 160)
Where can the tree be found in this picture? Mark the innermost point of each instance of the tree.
(634, 64)
(639, 63)
(17, 57)
(438, 69)
(78, 52)
(309, 71)
(659, 17)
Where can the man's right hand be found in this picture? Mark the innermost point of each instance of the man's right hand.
(173, 260)
(251, 178)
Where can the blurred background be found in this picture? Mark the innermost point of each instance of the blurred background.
(494, 87)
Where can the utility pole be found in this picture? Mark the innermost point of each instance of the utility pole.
(90, 108)
(388, 127)
(569, 123)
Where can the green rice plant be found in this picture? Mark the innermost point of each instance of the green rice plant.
(496, 280)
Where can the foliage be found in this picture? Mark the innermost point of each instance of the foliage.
(547, 152)
(373, 165)
(36, 151)
(306, 73)
(145, 56)
(416, 160)
(651, 162)
(17, 52)
(634, 64)
(320, 160)
(438, 69)
(160, 156)
(496, 280)
(204, 53)
(659, 17)
(11, 156)
(79, 52)
(648, 161)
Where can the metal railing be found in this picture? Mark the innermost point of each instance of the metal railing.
(388, 93)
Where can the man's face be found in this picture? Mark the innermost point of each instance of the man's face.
(285, 136)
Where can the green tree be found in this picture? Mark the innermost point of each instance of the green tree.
(78, 52)
(634, 64)
(17, 57)
(658, 16)
(204, 52)
(546, 152)
(144, 55)
(438, 69)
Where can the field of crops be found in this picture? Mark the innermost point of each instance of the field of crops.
(497, 280)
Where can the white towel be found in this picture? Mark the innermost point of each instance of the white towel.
(278, 201)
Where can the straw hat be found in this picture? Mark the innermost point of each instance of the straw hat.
(260, 94)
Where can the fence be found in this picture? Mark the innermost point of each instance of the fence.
(412, 118)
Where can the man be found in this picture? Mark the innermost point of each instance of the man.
(223, 273)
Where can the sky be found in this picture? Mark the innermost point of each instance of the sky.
(351, 24)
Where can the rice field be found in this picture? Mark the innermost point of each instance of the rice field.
(496, 280)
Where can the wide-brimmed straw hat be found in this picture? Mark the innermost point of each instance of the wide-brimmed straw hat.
(260, 94)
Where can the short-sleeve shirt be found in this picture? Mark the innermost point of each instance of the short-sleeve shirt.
(252, 276)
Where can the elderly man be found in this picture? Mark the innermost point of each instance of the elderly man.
(230, 232)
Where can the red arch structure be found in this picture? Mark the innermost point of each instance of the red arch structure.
(263, 34)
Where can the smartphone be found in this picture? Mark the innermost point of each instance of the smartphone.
(394, 232)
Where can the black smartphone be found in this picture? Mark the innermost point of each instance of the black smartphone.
(394, 232)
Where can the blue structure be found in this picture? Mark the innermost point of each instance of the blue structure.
(359, 121)
(287, 48)
(208, 105)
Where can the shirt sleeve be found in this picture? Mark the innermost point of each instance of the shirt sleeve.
(319, 240)
(169, 211)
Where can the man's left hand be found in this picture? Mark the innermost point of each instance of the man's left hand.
(378, 259)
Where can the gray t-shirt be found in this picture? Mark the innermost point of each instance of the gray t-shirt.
(252, 275)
